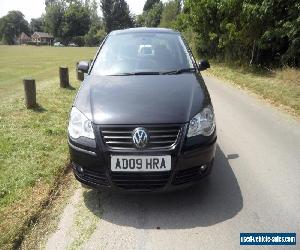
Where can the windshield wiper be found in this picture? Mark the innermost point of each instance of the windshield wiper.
(172, 72)
(137, 73)
(146, 73)
(179, 71)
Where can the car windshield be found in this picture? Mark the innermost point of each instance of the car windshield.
(142, 53)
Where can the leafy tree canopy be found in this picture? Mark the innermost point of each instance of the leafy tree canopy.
(264, 33)
(149, 4)
(151, 18)
(11, 26)
(36, 24)
(76, 21)
(55, 10)
(116, 15)
(170, 12)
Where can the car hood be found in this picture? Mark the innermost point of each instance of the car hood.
(142, 99)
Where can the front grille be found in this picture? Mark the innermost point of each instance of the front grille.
(94, 177)
(187, 175)
(140, 181)
(160, 137)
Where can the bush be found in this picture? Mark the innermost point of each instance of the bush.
(36, 44)
(94, 37)
(260, 33)
(78, 40)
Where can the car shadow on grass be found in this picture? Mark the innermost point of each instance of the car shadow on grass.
(212, 201)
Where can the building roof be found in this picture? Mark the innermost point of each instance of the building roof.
(143, 30)
(42, 34)
(23, 36)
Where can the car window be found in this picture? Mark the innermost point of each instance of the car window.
(141, 52)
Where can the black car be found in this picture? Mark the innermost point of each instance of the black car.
(143, 118)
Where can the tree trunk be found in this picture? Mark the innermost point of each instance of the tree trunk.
(64, 77)
(30, 93)
(254, 49)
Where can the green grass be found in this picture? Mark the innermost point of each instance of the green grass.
(280, 87)
(33, 146)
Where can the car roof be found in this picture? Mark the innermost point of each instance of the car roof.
(143, 30)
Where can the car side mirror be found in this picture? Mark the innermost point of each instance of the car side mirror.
(83, 66)
(203, 65)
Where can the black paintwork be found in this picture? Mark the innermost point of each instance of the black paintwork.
(143, 99)
(138, 100)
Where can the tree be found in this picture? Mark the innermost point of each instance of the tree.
(55, 10)
(202, 17)
(264, 33)
(12, 25)
(149, 4)
(140, 20)
(69, 19)
(36, 24)
(95, 36)
(170, 12)
(50, 2)
(76, 21)
(151, 17)
(93, 7)
(116, 15)
(96, 32)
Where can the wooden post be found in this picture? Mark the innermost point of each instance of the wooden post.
(30, 93)
(64, 77)
(80, 75)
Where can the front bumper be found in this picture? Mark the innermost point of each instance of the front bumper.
(91, 165)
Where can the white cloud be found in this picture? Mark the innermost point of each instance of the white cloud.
(136, 6)
(30, 8)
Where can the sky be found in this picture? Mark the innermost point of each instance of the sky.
(34, 8)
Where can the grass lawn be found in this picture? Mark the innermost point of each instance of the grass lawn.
(33, 145)
(280, 87)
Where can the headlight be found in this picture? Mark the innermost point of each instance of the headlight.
(203, 123)
(79, 125)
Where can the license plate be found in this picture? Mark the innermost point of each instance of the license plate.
(140, 163)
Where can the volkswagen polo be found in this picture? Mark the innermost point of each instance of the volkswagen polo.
(142, 119)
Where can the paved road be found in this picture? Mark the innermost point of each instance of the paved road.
(255, 187)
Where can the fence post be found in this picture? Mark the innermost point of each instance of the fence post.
(30, 93)
(64, 77)
(80, 75)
